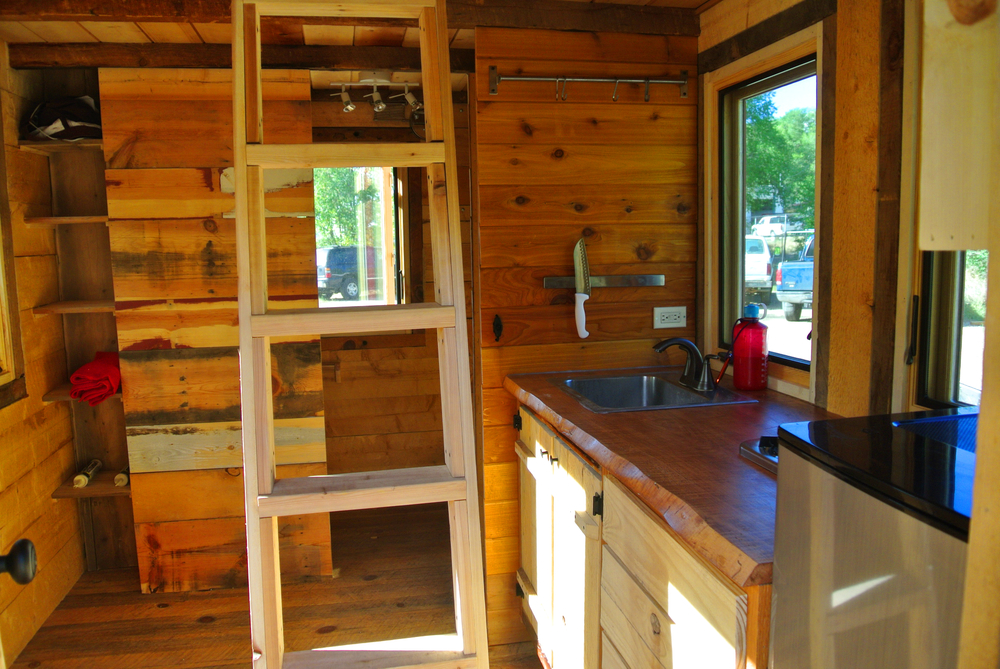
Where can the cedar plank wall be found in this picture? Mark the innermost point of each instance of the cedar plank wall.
(855, 188)
(168, 137)
(37, 453)
(621, 174)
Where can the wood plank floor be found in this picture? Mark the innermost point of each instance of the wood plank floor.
(392, 580)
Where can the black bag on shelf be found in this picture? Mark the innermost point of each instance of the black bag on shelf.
(63, 119)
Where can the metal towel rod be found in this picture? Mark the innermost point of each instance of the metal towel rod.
(496, 78)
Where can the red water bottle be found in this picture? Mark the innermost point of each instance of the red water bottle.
(750, 351)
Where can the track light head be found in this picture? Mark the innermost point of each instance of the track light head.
(377, 101)
(412, 100)
(346, 99)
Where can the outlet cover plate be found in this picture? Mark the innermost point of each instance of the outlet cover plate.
(669, 317)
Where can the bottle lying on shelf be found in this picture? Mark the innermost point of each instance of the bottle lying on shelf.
(82, 479)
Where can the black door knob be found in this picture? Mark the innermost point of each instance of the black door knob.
(20, 562)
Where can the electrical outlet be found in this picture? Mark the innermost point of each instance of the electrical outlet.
(670, 317)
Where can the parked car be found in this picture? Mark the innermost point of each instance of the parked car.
(337, 272)
(757, 270)
(794, 282)
(770, 226)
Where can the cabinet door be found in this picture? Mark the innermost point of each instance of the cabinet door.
(576, 572)
(535, 575)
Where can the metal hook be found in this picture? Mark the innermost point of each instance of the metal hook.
(564, 88)
(647, 90)
(557, 88)
(614, 93)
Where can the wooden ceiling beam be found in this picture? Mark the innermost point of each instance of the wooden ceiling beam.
(541, 14)
(273, 56)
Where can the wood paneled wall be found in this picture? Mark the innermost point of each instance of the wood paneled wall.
(37, 453)
(168, 140)
(729, 17)
(623, 176)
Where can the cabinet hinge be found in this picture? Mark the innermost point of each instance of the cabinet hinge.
(517, 421)
(599, 504)
(517, 590)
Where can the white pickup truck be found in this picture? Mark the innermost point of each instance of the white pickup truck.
(757, 270)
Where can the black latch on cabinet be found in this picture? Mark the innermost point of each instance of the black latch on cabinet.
(598, 504)
(518, 591)
(517, 421)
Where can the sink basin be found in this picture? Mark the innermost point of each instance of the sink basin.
(642, 392)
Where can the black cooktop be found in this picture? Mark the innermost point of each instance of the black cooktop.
(923, 463)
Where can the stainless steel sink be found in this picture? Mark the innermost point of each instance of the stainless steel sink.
(642, 392)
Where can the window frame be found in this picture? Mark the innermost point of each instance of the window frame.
(804, 43)
(12, 382)
(733, 196)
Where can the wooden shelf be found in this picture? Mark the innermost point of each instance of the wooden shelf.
(77, 307)
(52, 221)
(103, 485)
(61, 394)
(56, 145)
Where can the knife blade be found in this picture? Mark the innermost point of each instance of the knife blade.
(581, 272)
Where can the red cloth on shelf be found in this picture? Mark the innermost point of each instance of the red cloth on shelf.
(98, 380)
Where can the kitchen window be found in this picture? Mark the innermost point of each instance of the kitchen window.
(11, 386)
(767, 206)
(951, 332)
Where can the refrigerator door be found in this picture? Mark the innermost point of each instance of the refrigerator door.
(858, 583)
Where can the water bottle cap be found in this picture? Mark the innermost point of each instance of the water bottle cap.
(751, 311)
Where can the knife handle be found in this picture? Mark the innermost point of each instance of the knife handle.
(581, 316)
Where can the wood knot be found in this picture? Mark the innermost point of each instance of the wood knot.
(326, 629)
(369, 577)
(520, 200)
(579, 207)
(206, 619)
(643, 252)
(526, 127)
(968, 12)
(655, 116)
(683, 208)
(588, 232)
(558, 153)
(349, 345)
(210, 225)
(628, 209)
(515, 161)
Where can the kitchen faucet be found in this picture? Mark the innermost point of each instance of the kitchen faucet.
(697, 370)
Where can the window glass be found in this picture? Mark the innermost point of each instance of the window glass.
(973, 337)
(769, 190)
(356, 236)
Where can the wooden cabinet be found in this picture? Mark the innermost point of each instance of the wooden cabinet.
(560, 546)
(661, 605)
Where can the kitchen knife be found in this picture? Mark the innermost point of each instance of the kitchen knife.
(581, 271)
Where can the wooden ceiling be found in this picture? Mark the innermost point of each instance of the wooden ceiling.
(273, 31)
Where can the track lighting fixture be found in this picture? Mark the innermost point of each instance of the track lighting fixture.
(346, 99)
(410, 98)
(376, 97)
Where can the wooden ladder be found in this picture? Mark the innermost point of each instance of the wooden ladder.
(455, 482)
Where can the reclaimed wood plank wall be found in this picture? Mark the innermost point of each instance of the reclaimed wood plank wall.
(168, 141)
(37, 438)
(622, 175)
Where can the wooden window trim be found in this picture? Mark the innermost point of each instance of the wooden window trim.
(12, 385)
(806, 42)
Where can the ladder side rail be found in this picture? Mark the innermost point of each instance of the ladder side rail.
(267, 639)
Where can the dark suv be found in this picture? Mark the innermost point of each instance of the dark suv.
(337, 272)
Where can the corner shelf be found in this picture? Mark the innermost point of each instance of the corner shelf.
(46, 147)
(103, 485)
(77, 307)
(61, 394)
(53, 221)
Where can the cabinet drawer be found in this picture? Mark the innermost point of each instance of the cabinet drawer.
(628, 604)
(709, 612)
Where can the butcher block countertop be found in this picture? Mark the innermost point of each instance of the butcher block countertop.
(684, 463)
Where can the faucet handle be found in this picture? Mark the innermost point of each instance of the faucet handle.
(706, 383)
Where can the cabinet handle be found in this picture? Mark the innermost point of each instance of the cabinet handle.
(655, 623)
(544, 454)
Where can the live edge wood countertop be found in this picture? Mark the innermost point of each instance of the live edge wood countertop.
(684, 464)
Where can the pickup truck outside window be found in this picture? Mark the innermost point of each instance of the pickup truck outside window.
(768, 214)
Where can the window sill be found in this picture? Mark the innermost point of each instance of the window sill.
(781, 378)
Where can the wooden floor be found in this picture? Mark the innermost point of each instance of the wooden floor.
(392, 580)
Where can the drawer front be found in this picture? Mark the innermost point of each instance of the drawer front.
(709, 613)
(647, 621)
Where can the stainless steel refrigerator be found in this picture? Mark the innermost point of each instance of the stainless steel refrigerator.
(872, 525)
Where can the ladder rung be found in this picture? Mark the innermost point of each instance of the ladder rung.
(364, 490)
(351, 320)
(378, 659)
(393, 9)
(403, 154)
